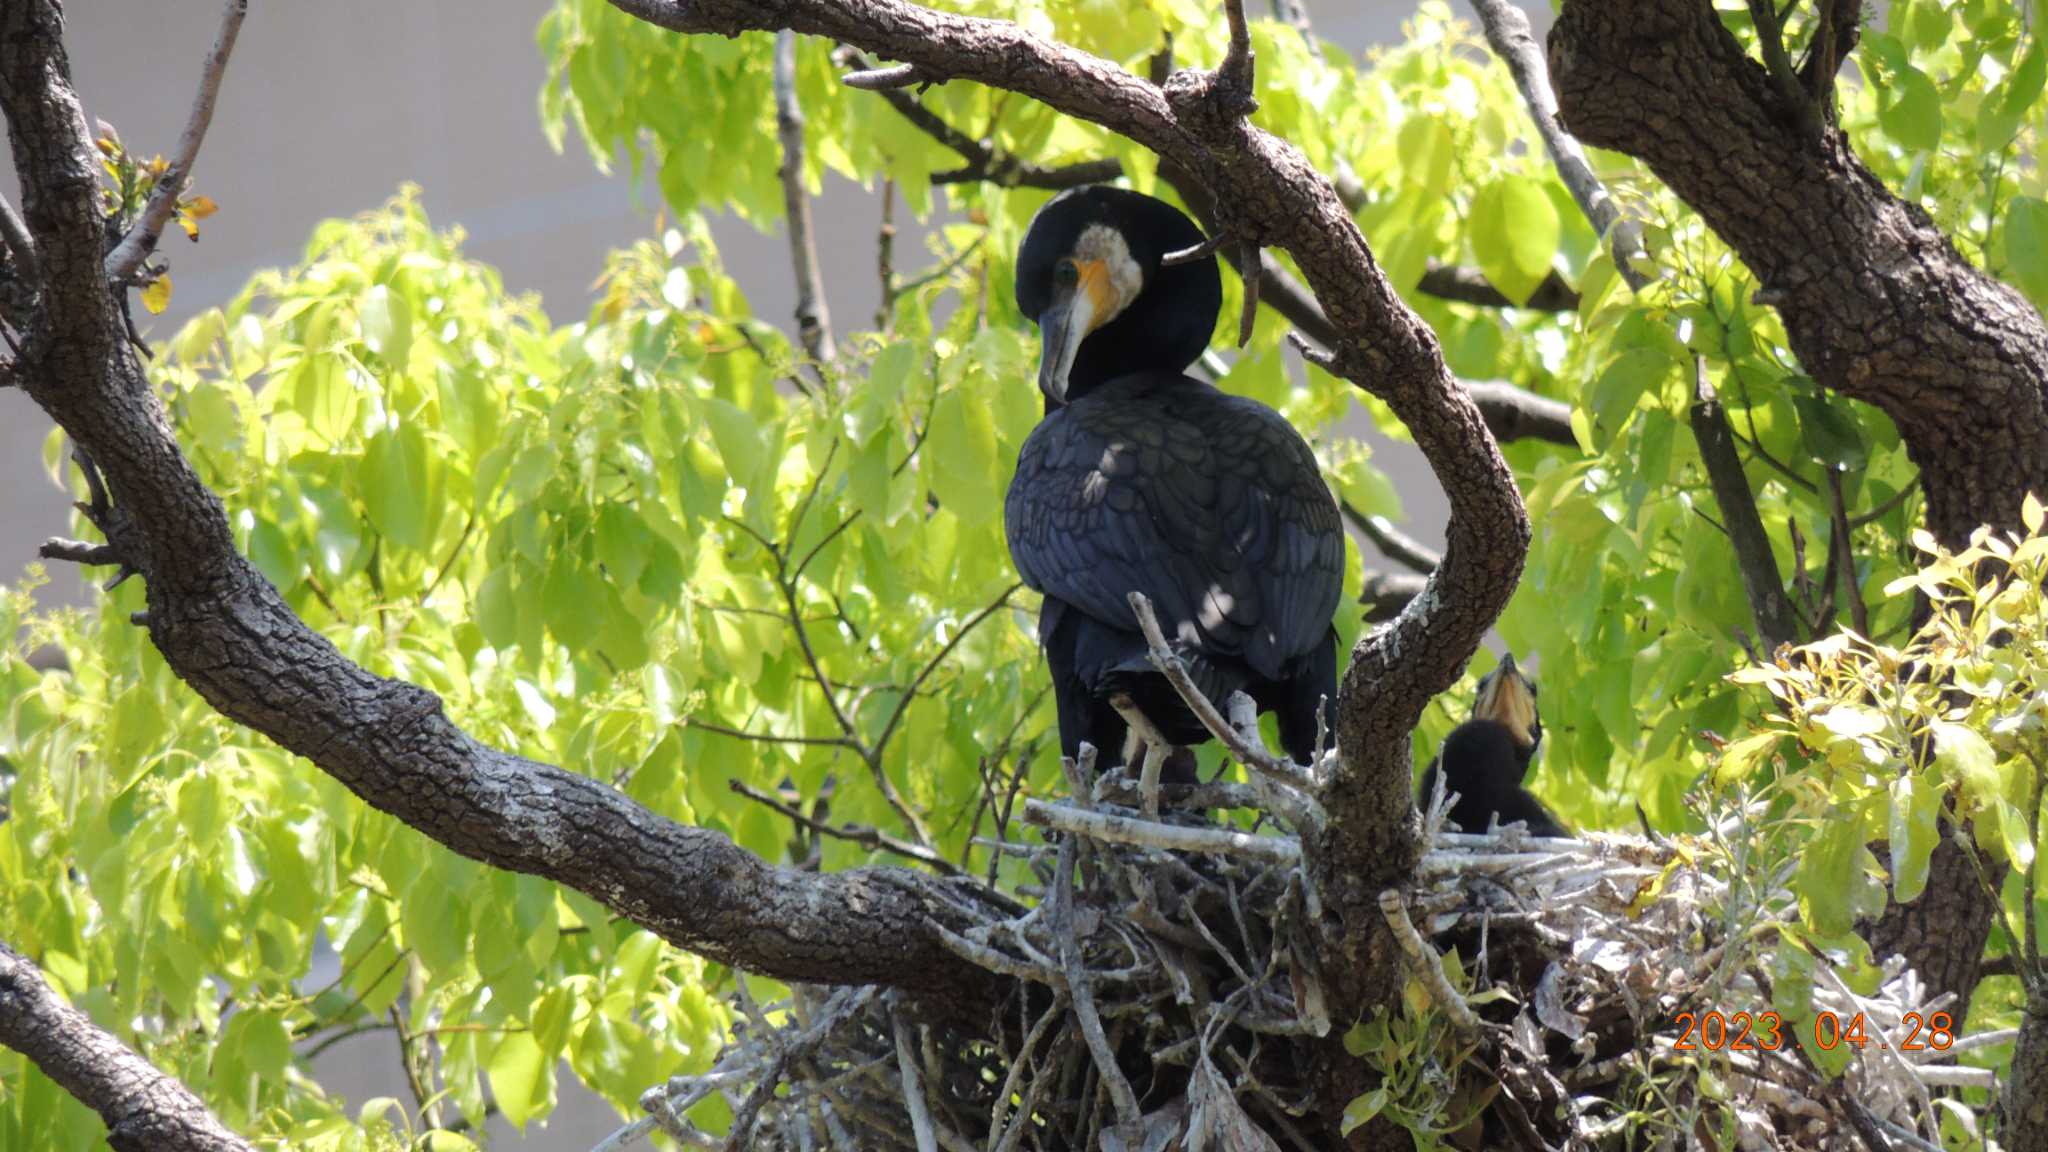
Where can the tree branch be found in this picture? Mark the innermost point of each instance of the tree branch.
(813, 317)
(144, 1110)
(1397, 545)
(1772, 609)
(983, 163)
(1462, 285)
(1387, 594)
(1877, 303)
(1508, 33)
(1510, 413)
(141, 239)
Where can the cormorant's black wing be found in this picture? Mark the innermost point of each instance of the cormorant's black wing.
(1210, 504)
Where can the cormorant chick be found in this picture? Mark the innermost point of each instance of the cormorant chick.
(1485, 759)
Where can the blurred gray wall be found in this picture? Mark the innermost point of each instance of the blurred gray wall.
(326, 109)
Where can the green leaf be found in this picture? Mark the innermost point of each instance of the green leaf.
(1910, 110)
(386, 322)
(522, 1082)
(570, 598)
(1362, 1109)
(1966, 762)
(2026, 246)
(496, 613)
(1514, 230)
(398, 493)
(2005, 107)
(1827, 877)
(962, 448)
(1915, 812)
(1831, 435)
(737, 435)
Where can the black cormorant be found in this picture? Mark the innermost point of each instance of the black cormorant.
(1485, 759)
(1142, 478)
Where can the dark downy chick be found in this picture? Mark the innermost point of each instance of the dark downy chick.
(1485, 759)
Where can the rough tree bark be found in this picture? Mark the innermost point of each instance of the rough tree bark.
(1877, 303)
(144, 1110)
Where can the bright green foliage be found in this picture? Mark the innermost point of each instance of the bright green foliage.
(1892, 743)
(584, 538)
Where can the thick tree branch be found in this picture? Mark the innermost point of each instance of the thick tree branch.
(1510, 413)
(813, 317)
(144, 1110)
(225, 630)
(141, 239)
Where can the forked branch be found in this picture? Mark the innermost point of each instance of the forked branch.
(141, 239)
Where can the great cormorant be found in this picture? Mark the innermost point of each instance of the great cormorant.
(1142, 478)
(1485, 759)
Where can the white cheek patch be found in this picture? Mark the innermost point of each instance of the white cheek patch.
(1106, 245)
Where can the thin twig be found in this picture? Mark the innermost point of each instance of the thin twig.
(1395, 544)
(141, 239)
(1859, 612)
(886, 78)
(20, 245)
(861, 834)
(1508, 32)
(1171, 666)
(1424, 962)
(1083, 993)
(1769, 606)
(813, 317)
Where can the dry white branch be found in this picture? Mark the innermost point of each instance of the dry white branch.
(1170, 665)
(1425, 963)
(141, 239)
(1167, 837)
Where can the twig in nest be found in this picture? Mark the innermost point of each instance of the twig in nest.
(1170, 666)
(1425, 963)
(913, 1085)
(1157, 749)
(1083, 993)
(1167, 837)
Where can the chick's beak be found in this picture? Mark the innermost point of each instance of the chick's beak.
(1073, 314)
(1508, 698)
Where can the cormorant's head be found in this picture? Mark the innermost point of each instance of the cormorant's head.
(1090, 273)
(1508, 698)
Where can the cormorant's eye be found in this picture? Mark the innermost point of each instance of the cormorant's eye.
(1065, 274)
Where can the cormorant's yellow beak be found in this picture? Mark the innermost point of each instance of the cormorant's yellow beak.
(1077, 308)
(1508, 698)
